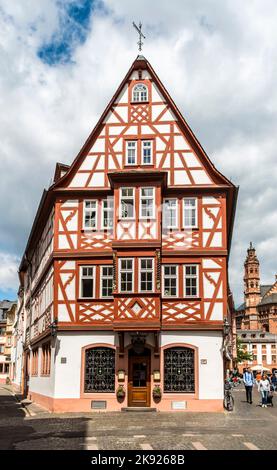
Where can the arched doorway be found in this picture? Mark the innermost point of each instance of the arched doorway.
(139, 378)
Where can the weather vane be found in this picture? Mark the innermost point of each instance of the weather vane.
(138, 28)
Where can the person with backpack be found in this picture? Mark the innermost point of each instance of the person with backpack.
(249, 381)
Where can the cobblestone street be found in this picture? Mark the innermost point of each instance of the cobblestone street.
(248, 427)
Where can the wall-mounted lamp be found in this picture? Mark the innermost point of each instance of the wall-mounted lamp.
(226, 327)
(53, 327)
(156, 375)
(121, 375)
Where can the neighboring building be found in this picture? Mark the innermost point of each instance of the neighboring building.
(7, 314)
(17, 353)
(256, 318)
(124, 276)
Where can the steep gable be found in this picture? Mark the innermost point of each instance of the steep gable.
(176, 150)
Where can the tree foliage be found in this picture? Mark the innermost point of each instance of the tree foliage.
(242, 354)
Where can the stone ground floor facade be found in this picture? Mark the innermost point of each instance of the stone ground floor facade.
(84, 371)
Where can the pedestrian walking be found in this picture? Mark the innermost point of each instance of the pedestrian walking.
(274, 380)
(264, 389)
(248, 380)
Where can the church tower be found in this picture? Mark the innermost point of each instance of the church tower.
(252, 291)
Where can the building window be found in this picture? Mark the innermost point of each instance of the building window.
(191, 280)
(179, 373)
(99, 370)
(107, 213)
(273, 359)
(147, 203)
(170, 213)
(147, 152)
(107, 281)
(46, 359)
(146, 274)
(4, 368)
(35, 362)
(140, 92)
(90, 215)
(127, 203)
(264, 358)
(126, 275)
(190, 212)
(170, 280)
(131, 152)
(87, 281)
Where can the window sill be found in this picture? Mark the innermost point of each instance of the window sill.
(181, 298)
(140, 102)
(89, 230)
(45, 375)
(94, 299)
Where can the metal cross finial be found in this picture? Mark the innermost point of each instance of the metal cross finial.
(141, 35)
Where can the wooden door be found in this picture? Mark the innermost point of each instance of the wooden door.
(139, 381)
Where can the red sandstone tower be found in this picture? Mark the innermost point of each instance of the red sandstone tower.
(252, 291)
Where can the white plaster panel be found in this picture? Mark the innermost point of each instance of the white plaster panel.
(44, 385)
(163, 128)
(180, 143)
(79, 180)
(97, 180)
(209, 346)
(118, 147)
(67, 383)
(69, 265)
(156, 110)
(156, 95)
(147, 130)
(200, 177)
(181, 178)
(217, 313)
(122, 111)
(210, 200)
(160, 144)
(99, 145)
(63, 243)
(123, 96)
(71, 224)
(216, 240)
(88, 163)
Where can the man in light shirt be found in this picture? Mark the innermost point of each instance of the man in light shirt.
(248, 380)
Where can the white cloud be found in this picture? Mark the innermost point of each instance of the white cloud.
(218, 61)
(8, 272)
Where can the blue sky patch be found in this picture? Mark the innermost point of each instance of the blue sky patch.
(74, 22)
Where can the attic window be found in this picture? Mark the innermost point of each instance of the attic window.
(140, 92)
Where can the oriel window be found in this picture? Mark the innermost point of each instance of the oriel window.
(147, 203)
(107, 281)
(190, 212)
(126, 274)
(127, 203)
(146, 274)
(90, 215)
(87, 281)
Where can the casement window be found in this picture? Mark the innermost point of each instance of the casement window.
(170, 280)
(140, 92)
(107, 213)
(46, 359)
(146, 274)
(87, 282)
(170, 208)
(191, 280)
(147, 152)
(90, 215)
(147, 203)
(190, 212)
(126, 275)
(127, 203)
(106, 281)
(131, 152)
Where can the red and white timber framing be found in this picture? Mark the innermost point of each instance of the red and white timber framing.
(59, 244)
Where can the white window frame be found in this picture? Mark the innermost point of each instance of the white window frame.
(82, 277)
(143, 141)
(96, 214)
(147, 197)
(177, 281)
(140, 100)
(101, 280)
(108, 209)
(119, 275)
(193, 276)
(127, 197)
(146, 270)
(196, 212)
(177, 212)
(136, 152)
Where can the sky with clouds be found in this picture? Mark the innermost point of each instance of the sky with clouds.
(62, 60)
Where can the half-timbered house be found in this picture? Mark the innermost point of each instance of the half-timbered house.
(125, 270)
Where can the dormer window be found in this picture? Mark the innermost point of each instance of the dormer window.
(140, 92)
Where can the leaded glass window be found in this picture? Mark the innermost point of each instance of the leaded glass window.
(99, 370)
(179, 372)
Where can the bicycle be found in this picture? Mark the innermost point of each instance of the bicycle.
(228, 397)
